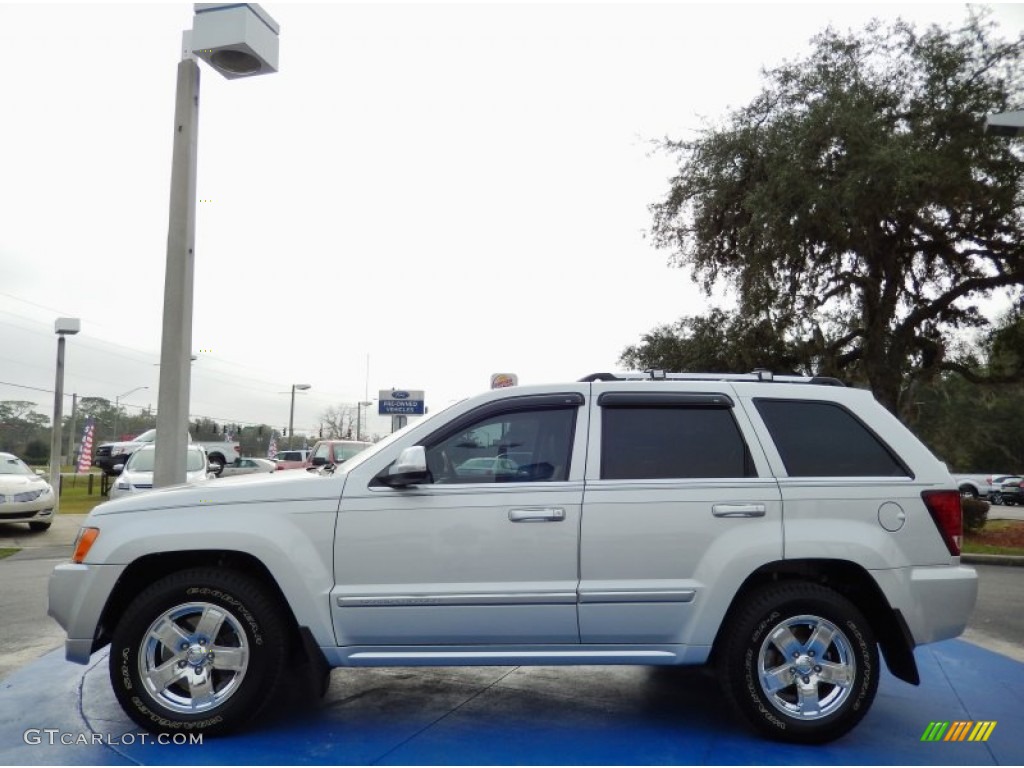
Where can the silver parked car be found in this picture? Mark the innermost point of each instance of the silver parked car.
(643, 524)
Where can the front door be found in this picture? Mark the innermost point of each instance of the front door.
(484, 553)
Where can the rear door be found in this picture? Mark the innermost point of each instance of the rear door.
(679, 500)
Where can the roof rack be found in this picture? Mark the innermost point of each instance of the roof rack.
(758, 374)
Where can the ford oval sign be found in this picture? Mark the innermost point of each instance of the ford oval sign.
(401, 402)
(399, 395)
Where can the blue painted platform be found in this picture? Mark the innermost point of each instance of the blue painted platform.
(520, 716)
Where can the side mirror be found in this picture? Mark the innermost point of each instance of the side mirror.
(319, 461)
(409, 469)
(117, 469)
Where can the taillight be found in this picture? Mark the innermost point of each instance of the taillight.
(944, 507)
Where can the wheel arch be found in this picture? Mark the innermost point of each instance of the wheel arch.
(856, 585)
(150, 568)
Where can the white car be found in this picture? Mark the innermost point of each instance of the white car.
(25, 497)
(247, 467)
(137, 474)
(788, 531)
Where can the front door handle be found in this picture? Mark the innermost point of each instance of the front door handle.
(538, 515)
(738, 510)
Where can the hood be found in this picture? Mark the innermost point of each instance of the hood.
(242, 489)
(18, 483)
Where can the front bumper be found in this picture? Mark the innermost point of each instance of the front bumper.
(78, 594)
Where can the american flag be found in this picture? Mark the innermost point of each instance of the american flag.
(85, 456)
(272, 450)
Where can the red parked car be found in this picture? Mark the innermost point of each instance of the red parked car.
(334, 452)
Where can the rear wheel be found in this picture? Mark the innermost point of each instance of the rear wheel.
(996, 497)
(799, 662)
(199, 651)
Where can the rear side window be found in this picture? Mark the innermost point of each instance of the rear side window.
(642, 442)
(818, 439)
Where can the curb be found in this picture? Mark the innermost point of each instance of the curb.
(980, 559)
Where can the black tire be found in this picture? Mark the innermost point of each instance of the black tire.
(233, 639)
(216, 458)
(969, 491)
(850, 651)
(996, 498)
(1009, 501)
(38, 526)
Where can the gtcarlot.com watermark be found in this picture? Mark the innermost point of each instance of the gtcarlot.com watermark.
(54, 736)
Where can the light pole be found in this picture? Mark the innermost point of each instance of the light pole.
(291, 413)
(237, 40)
(117, 407)
(359, 417)
(64, 326)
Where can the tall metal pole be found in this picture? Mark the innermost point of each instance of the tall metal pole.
(71, 429)
(55, 436)
(291, 419)
(176, 348)
(359, 420)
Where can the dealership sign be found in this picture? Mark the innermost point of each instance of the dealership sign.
(395, 402)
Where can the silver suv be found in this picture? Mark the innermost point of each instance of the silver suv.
(782, 529)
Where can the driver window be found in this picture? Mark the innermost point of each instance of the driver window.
(518, 446)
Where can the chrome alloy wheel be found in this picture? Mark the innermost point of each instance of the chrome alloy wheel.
(806, 667)
(193, 657)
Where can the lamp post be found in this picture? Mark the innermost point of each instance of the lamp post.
(117, 407)
(237, 40)
(291, 413)
(64, 326)
(359, 417)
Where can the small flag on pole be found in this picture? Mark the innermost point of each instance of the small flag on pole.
(85, 455)
(272, 450)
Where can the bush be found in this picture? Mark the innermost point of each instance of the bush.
(975, 513)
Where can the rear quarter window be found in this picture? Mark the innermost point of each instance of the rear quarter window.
(823, 439)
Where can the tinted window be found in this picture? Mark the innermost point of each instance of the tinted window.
(818, 439)
(515, 446)
(647, 442)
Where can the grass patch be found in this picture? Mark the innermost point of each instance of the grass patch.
(75, 498)
(8, 551)
(998, 537)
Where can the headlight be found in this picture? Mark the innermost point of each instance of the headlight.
(27, 496)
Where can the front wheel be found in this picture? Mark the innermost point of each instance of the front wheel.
(799, 662)
(199, 651)
(996, 498)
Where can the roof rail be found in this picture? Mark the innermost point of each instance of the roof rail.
(758, 374)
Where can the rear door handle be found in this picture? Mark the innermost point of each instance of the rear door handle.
(738, 510)
(538, 515)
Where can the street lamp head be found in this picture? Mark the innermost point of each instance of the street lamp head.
(301, 386)
(67, 326)
(1005, 124)
(236, 39)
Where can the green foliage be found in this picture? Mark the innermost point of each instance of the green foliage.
(856, 207)
(36, 451)
(975, 513)
(20, 424)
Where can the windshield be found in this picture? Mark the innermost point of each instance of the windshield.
(345, 451)
(11, 465)
(146, 437)
(143, 460)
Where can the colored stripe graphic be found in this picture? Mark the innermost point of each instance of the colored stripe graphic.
(958, 730)
(982, 730)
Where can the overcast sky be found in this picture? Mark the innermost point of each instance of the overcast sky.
(449, 191)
